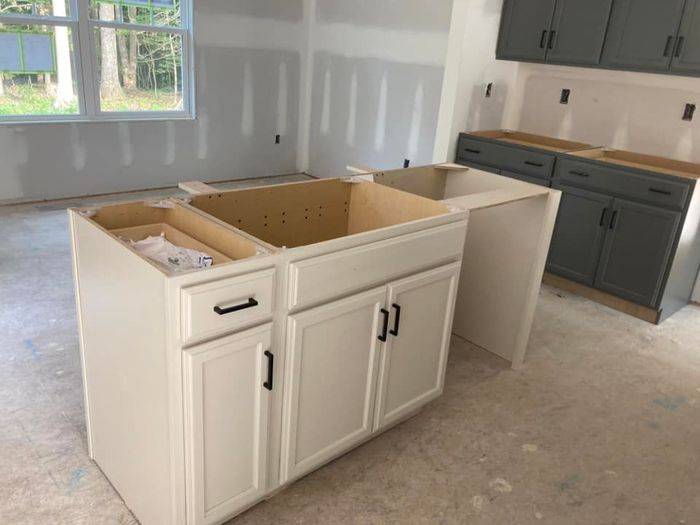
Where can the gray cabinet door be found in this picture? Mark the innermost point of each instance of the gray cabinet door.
(578, 31)
(637, 251)
(579, 234)
(642, 33)
(525, 29)
(686, 55)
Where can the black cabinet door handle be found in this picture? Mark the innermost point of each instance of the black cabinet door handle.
(579, 173)
(679, 46)
(613, 220)
(223, 311)
(667, 49)
(551, 39)
(270, 369)
(602, 216)
(662, 192)
(385, 325)
(397, 320)
(474, 151)
(535, 164)
(543, 39)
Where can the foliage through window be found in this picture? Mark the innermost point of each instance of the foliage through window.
(94, 59)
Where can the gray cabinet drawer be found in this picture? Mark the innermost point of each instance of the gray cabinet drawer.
(527, 178)
(505, 157)
(481, 167)
(620, 182)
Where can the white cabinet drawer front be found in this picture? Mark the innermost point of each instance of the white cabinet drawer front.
(215, 308)
(330, 276)
(226, 417)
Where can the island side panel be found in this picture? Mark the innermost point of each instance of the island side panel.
(121, 303)
(504, 257)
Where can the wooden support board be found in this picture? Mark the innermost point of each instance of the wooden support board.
(676, 168)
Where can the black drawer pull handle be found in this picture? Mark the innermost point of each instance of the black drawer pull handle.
(535, 164)
(662, 192)
(397, 320)
(475, 151)
(543, 39)
(667, 49)
(602, 216)
(385, 326)
(613, 221)
(579, 173)
(679, 46)
(270, 369)
(223, 311)
(551, 39)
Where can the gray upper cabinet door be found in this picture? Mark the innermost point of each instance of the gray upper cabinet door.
(579, 234)
(686, 55)
(578, 31)
(637, 251)
(525, 29)
(642, 34)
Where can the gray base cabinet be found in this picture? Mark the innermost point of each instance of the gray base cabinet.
(620, 224)
(637, 251)
(579, 234)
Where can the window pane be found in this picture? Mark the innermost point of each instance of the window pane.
(165, 13)
(139, 71)
(37, 71)
(35, 7)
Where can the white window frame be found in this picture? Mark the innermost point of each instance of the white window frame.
(82, 30)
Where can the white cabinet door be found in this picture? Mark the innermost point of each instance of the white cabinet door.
(226, 408)
(413, 361)
(330, 380)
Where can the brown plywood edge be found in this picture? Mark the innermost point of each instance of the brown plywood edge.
(645, 314)
(536, 141)
(374, 206)
(175, 236)
(676, 168)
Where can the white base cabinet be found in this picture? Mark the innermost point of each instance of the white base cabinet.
(358, 365)
(227, 395)
(286, 353)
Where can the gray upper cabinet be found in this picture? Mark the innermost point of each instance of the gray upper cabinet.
(686, 54)
(642, 34)
(579, 234)
(637, 251)
(578, 30)
(525, 29)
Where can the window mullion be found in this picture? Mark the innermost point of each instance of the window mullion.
(87, 59)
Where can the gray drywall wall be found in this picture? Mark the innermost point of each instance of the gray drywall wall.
(247, 59)
(376, 85)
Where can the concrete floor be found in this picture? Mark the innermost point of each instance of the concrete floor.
(602, 426)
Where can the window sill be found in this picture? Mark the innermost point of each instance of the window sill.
(79, 119)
